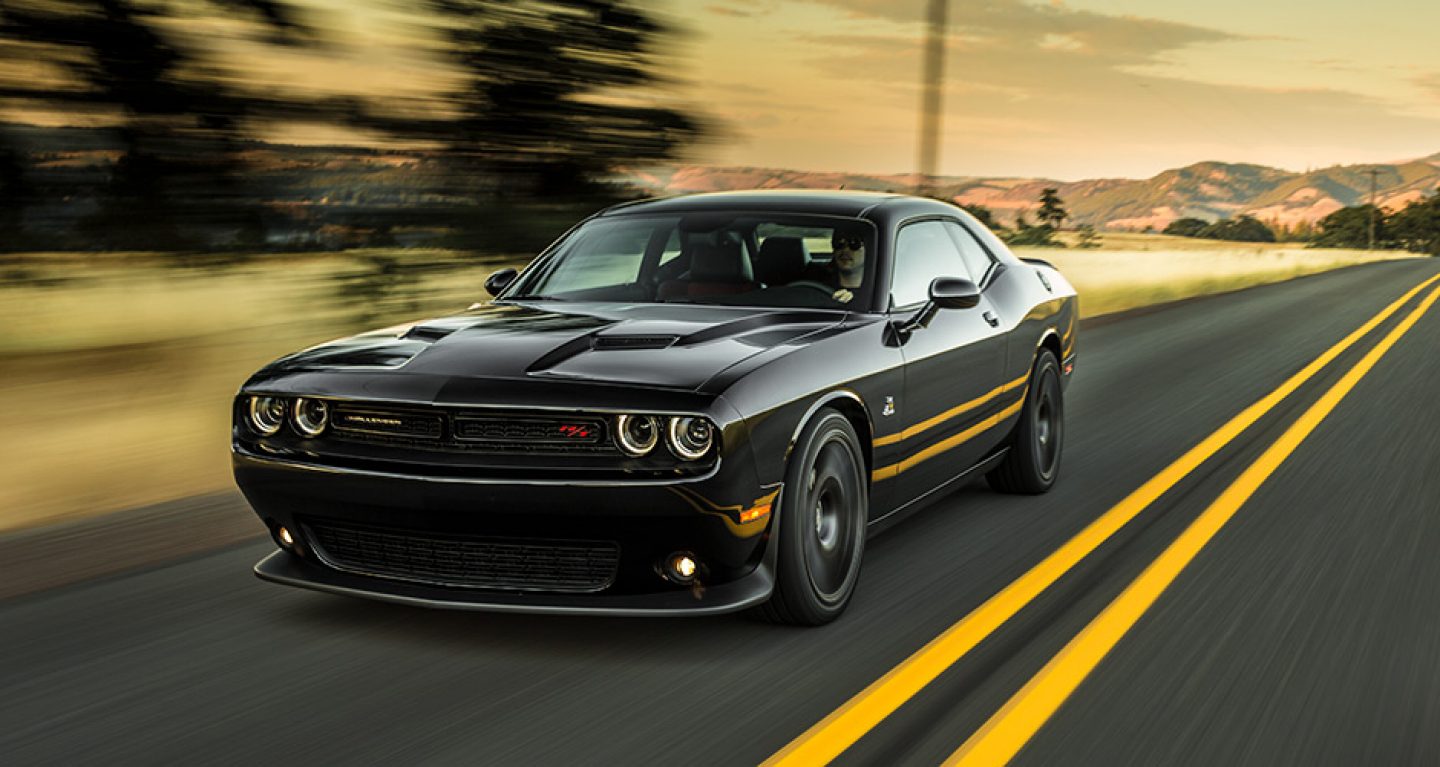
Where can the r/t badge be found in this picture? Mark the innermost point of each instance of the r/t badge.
(889, 406)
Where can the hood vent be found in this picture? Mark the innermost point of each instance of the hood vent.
(633, 342)
(423, 333)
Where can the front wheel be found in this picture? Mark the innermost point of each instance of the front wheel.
(1033, 462)
(821, 527)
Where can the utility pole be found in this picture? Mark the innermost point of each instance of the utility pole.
(1374, 173)
(934, 76)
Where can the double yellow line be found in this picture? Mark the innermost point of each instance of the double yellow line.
(1011, 727)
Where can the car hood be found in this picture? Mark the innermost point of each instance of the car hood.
(678, 346)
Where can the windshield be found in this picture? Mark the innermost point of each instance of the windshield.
(769, 260)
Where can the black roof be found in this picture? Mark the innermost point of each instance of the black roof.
(827, 202)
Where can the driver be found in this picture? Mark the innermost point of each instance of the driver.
(846, 270)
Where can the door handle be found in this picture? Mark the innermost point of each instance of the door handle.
(991, 318)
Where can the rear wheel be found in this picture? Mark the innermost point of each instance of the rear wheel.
(821, 524)
(1033, 462)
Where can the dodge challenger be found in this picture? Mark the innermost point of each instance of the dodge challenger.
(692, 405)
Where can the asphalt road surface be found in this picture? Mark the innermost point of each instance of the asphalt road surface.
(1307, 631)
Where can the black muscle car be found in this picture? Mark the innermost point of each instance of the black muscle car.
(692, 405)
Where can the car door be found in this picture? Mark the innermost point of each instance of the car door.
(953, 365)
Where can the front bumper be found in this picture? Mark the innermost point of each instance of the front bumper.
(647, 521)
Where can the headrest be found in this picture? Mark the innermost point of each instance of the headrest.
(782, 260)
(723, 262)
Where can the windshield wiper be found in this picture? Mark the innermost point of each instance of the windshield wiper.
(535, 297)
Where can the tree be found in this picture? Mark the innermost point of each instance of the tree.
(14, 195)
(177, 117)
(983, 215)
(1242, 229)
(1417, 226)
(1088, 238)
(1052, 209)
(1186, 227)
(1350, 228)
(554, 93)
(1035, 236)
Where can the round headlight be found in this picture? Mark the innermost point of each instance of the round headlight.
(637, 435)
(690, 438)
(267, 414)
(311, 416)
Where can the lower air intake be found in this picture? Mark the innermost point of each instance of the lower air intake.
(466, 562)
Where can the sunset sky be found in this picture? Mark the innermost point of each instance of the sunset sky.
(1068, 90)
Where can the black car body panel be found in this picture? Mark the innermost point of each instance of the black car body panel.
(443, 448)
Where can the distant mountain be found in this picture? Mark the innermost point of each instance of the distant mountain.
(1208, 190)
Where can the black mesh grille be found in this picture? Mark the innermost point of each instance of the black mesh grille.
(388, 423)
(534, 431)
(467, 562)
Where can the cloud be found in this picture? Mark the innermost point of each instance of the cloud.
(1024, 24)
(1430, 84)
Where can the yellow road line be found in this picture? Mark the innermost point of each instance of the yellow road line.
(1024, 714)
(829, 737)
(960, 409)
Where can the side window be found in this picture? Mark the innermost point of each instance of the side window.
(923, 252)
(977, 259)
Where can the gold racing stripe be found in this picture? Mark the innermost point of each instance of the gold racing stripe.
(949, 443)
(953, 412)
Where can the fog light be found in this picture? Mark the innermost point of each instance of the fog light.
(681, 567)
(285, 537)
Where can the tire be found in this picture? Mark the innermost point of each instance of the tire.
(821, 524)
(1033, 463)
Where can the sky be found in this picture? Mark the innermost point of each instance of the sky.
(1070, 90)
(1062, 89)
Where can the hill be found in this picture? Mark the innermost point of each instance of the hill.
(1208, 190)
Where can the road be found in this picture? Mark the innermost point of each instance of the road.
(1307, 631)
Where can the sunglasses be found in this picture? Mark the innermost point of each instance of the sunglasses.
(852, 243)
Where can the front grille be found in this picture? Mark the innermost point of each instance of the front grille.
(531, 431)
(385, 422)
(472, 431)
(467, 562)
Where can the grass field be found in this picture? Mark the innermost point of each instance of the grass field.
(118, 370)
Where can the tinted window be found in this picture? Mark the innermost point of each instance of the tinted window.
(711, 257)
(923, 252)
(977, 260)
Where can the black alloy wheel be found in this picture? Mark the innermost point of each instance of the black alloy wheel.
(1033, 463)
(821, 526)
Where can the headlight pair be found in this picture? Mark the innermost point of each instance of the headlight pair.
(689, 438)
(307, 416)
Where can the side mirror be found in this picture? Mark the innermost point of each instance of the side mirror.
(945, 293)
(954, 293)
(496, 283)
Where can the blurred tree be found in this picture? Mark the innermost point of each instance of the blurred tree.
(555, 93)
(1052, 209)
(178, 119)
(1034, 236)
(1088, 239)
(1350, 228)
(1186, 227)
(1417, 226)
(983, 215)
(1242, 229)
(15, 192)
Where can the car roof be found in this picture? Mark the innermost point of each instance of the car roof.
(821, 201)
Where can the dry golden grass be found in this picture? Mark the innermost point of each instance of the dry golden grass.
(118, 376)
(1133, 270)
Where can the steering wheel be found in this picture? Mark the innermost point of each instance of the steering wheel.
(820, 286)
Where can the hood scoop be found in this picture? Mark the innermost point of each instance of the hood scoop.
(633, 342)
(430, 333)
